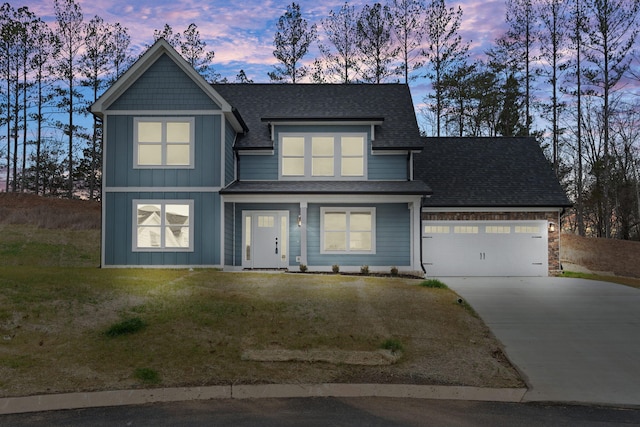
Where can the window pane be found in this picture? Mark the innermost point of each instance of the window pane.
(335, 241)
(352, 166)
(177, 214)
(360, 241)
(148, 214)
(178, 132)
(178, 154)
(148, 237)
(149, 154)
(360, 221)
(293, 166)
(335, 221)
(149, 131)
(176, 237)
(247, 240)
(352, 146)
(322, 146)
(322, 166)
(293, 146)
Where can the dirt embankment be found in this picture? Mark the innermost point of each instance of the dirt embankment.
(49, 212)
(607, 256)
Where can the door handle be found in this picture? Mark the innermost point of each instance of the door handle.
(276, 245)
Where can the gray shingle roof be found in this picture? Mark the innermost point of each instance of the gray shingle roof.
(391, 103)
(488, 172)
(328, 187)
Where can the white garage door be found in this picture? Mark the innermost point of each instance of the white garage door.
(485, 248)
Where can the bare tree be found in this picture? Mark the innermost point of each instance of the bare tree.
(611, 35)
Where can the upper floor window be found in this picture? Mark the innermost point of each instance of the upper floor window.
(165, 142)
(329, 156)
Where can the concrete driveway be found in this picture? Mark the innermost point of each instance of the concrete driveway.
(574, 340)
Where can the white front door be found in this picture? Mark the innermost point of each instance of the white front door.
(266, 238)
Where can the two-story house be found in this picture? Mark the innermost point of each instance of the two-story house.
(273, 176)
(262, 176)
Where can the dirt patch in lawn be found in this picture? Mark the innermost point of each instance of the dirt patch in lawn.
(199, 324)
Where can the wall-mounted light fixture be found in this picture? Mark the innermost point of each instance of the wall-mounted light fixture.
(552, 227)
(299, 221)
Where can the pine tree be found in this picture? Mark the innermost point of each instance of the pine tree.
(292, 41)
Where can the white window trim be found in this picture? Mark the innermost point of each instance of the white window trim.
(162, 203)
(164, 121)
(348, 211)
(337, 157)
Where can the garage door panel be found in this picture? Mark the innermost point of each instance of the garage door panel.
(485, 248)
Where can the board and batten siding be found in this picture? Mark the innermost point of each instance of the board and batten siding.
(164, 86)
(229, 156)
(393, 239)
(118, 231)
(119, 171)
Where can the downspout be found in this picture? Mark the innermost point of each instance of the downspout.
(420, 235)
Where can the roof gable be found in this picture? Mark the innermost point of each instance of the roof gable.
(488, 172)
(389, 107)
(162, 60)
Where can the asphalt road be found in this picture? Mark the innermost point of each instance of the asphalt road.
(310, 412)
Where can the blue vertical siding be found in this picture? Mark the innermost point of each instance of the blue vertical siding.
(229, 238)
(390, 167)
(119, 157)
(258, 167)
(164, 86)
(393, 239)
(229, 161)
(118, 230)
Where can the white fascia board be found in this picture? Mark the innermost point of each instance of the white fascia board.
(320, 198)
(491, 209)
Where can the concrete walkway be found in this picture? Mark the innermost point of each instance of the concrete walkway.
(574, 340)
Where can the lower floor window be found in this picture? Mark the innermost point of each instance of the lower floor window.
(348, 230)
(163, 225)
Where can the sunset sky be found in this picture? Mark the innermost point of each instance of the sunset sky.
(241, 32)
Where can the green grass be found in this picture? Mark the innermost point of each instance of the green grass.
(178, 327)
(125, 327)
(27, 245)
(433, 283)
(393, 345)
(147, 375)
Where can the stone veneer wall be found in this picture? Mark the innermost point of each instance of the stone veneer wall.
(549, 216)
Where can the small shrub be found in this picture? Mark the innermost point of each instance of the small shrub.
(303, 268)
(392, 345)
(147, 375)
(125, 327)
(433, 283)
(364, 270)
(335, 268)
(394, 271)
